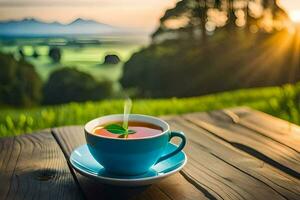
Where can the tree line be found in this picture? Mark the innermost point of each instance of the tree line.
(207, 46)
(21, 85)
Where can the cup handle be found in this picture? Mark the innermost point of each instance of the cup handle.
(178, 149)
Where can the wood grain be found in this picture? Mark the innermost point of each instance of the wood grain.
(32, 166)
(277, 129)
(175, 187)
(253, 142)
(228, 173)
(232, 154)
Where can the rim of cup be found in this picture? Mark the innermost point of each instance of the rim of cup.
(89, 126)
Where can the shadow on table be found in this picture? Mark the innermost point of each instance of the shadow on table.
(95, 190)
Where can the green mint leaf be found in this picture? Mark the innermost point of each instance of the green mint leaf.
(115, 129)
(118, 129)
(131, 131)
(123, 136)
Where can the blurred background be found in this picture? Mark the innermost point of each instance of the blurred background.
(65, 62)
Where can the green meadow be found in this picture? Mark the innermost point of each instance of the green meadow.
(282, 102)
(85, 57)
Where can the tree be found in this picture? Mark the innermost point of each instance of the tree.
(231, 15)
(55, 54)
(177, 63)
(70, 85)
(111, 59)
(21, 52)
(20, 85)
(35, 54)
(201, 13)
(182, 8)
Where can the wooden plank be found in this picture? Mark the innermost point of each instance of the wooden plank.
(174, 187)
(32, 166)
(280, 130)
(228, 173)
(253, 142)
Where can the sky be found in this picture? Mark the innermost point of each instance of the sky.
(140, 14)
(292, 7)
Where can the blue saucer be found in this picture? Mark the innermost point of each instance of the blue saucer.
(83, 162)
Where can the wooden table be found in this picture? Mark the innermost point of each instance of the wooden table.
(232, 154)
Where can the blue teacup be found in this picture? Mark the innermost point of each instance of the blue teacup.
(131, 156)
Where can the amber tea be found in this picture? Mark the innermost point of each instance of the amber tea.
(140, 130)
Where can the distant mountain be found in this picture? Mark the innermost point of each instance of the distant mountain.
(32, 27)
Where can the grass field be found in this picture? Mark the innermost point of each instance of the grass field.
(278, 101)
(85, 57)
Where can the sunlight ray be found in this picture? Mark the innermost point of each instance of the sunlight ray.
(294, 61)
(268, 56)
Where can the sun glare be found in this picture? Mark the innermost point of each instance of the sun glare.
(295, 16)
